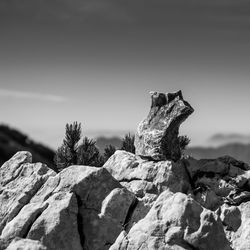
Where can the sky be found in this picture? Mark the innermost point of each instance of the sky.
(95, 61)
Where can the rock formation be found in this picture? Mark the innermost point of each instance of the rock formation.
(80, 208)
(132, 202)
(190, 204)
(157, 135)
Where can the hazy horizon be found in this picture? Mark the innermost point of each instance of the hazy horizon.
(54, 140)
(95, 62)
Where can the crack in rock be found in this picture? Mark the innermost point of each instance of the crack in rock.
(129, 214)
(80, 222)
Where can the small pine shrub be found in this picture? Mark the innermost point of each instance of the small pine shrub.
(128, 143)
(71, 153)
(66, 155)
(108, 152)
(61, 158)
(88, 154)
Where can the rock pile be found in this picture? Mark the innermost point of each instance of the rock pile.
(144, 201)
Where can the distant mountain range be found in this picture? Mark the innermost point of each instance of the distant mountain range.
(239, 151)
(12, 140)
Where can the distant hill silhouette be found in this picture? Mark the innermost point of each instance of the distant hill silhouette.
(12, 141)
(237, 150)
(103, 142)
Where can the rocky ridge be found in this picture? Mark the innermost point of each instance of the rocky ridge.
(132, 202)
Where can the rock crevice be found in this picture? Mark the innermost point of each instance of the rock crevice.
(80, 223)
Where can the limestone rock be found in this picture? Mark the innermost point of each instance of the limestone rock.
(12, 168)
(142, 176)
(19, 225)
(20, 180)
(146, 179)
(222, 185)
(130, 203)
(92, 186)
(56, 227)
(25, 244)
(157, 135)
(241, 238)
(81, 207)
(219, 181)
(231, 217)
(175, 221)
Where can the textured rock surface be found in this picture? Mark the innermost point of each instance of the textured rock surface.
(218, 188)
(219, 181)
(143, 177)
(146, 179)
(20, 180)
(130, 203)
(175, 221)
(157, 135)
(25, 244)
(230, 217)
(80, 208)
(241, 238)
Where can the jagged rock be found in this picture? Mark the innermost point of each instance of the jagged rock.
(19, 225)
(218, 181)
(92, 186)
(25, 244)
(175, 221)
(20, 180)
(130, 203)
(142, 176)
(56, 224)
(241, 238)
(81, 207)
(230, 217)
(223, 185)
(146, 179)
(157, 135)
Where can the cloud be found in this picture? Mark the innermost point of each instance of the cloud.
(31, 95)
(55, 11)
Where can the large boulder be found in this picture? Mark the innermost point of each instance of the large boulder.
(146, 179)
(219, 187)
(241, 238)
(20, 180)
(219, 181)
(25, 244)
(142, 176)
(175, 221)
(157, 135)
(223, 185)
